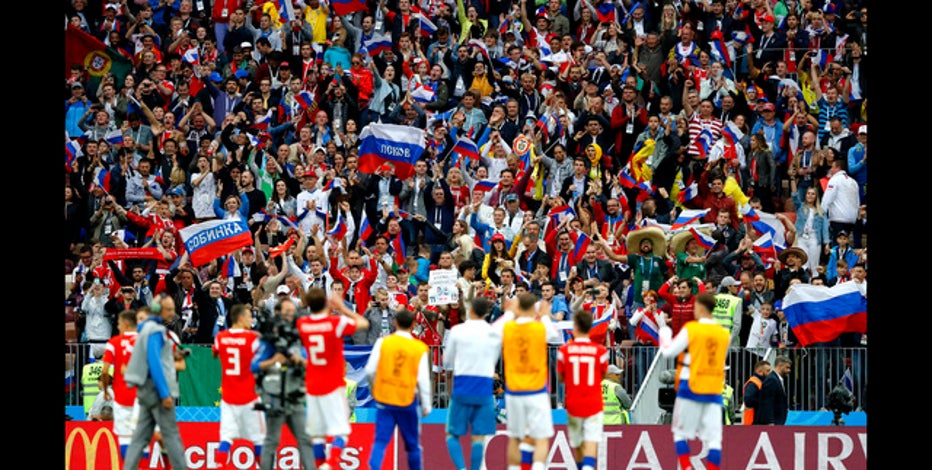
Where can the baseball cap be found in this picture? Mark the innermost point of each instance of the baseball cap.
(498, 237)
(245, 44)
(863, 129)
(248, 249)
(285, 64)
(241, 74)
(282, 289)
(79, 85)
(511, 197)
(842, 233)
(767, 18)
(319, 149)
(613, 369)
(177, 191)
(215, 77)
(767, 107)
(728, 281)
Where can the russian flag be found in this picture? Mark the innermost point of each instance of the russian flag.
(262, 122)
(114, 137)
(428, 28)
(376, 44)
(125, 235)
(398, 250)
(689, 193)
(719, 50)
(345, 7)
(847, 380)
(626, 179)
(213, 239)
(704, 143)
(72, 151)
(508, 62)
(484, 185)
(749, 214)
(285, 10)
(606, 12)
(422, 93)
(688, 216)
(333, 183)
(102, 180)
(229, 267)
(481, 45)
(305, 99)
(649, 328)
(338, 231)
(558, 213)
(582, 244)
(191, 56)
(465, 147)
(705, 241)
(600, 326)
(818, 313)
(731, 132)
(400, 214)
(365, 230)
(390, 143)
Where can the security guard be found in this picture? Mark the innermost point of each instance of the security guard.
(90, 374)
(728, 308)
(728, 394)
(615, 400)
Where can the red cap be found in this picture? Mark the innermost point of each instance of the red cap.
(767, 107)
(768, 18)
(498, 237)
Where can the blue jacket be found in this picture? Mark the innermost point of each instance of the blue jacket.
(856, 168)
(831, 272)
(73, 114)
(819, 222)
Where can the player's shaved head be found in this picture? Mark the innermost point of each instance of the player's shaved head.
(404, 318)
(526, 301)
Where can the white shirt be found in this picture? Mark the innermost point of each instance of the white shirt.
(310, 219)
(841, 200)
(472, 349)
(762, 329)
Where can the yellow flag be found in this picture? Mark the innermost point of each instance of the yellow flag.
(639, 168)
(733, 190)
(269, 7)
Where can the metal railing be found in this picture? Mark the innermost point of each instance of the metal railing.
(815, 372)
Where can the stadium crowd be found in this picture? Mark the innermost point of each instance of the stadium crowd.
(617, 157)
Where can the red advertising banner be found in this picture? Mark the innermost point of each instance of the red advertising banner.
(91, 445)
(651, 447)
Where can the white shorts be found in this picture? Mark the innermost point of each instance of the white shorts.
(529, 415)
(584, 429)
(693, 419)
(241, 422)
(124, 422)
(328, 415)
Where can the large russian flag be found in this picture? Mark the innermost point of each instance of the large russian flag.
(377, 44)
(345, 7)
(818, 313)
(600, 325)
(705, 241)
(210, 240)
(581, 245)
(390, 143)
(467, 148)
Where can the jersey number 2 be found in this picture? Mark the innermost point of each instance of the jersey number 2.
(315, 347)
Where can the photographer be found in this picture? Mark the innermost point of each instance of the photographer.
(378, 313)
(109, 218)
(281, 384)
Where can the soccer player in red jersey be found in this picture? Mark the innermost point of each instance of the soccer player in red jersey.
(581, 365)
(238, 417)
(117, 354)
(322, 334)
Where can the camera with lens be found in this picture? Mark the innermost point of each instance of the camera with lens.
(840, 401)
(281, 384)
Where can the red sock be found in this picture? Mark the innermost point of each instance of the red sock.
(526, 466)
(684, 462)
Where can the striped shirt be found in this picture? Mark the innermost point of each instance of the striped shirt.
(827, 112)
(696, 126)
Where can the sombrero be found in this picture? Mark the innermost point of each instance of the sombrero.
(679, 241)
(654, 234)
(795, 251)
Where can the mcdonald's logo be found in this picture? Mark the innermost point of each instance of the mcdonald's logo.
(90, 448)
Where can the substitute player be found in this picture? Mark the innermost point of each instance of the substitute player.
(472, 353)
(322, 334)
(239, 419)
(399, 374)
(581, 365)
(525, 328)
(702, 346)
(117, 354)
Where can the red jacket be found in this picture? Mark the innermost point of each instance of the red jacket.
(680, 312)
(361, 289)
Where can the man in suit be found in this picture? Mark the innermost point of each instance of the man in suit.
(594, 270)
(210, 313)
(772, 406)
(531, 256)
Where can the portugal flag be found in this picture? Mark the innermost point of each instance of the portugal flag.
(98, 59)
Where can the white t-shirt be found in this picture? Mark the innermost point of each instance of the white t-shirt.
(762, 330)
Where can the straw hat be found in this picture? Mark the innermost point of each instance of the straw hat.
(679, 241)
(803, 257)
(654, 234)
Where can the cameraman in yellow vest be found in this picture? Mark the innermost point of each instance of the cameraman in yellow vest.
(615, 400)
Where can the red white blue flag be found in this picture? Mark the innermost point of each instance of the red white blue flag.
(213, 239)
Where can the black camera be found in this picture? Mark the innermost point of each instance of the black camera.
(281, 334)
(840, 401)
